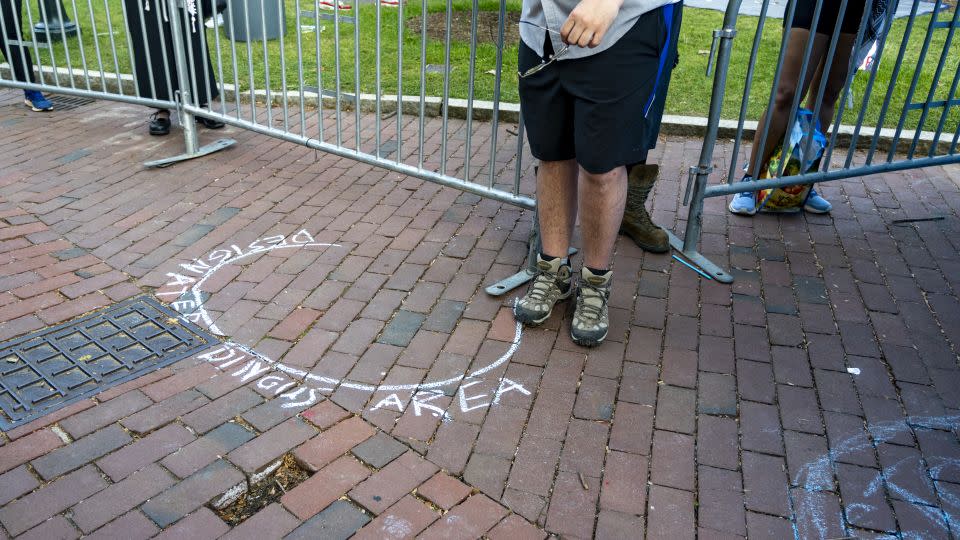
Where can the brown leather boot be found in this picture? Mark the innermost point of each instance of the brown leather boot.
(636, 221)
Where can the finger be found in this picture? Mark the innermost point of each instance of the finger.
(597, 38)
(565, 30)
(573, 38)
(585, 38)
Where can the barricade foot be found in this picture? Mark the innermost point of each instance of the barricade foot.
(215, 146)
(509, 283)
(701, 262)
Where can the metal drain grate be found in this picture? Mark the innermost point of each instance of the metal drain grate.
(66, 103)
(51, 368)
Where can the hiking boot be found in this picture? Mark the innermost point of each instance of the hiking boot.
(636, 221)
(590, 319)
(551, 284)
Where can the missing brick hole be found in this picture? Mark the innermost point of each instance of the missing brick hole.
(265, 492)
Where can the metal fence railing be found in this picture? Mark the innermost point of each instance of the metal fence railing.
(362, 83)
(913, 122)
(291, 70)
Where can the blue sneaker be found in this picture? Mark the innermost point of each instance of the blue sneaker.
(816, 204)
(36, 101)
(745, 202)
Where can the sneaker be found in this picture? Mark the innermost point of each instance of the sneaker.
(745, 202)
(816, 204)
(36, 101)
(551, 284)
(591, 321)
(329, 4)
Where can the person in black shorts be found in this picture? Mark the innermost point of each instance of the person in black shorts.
(823, 29)
(588, 70)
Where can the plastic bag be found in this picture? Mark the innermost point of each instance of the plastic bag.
(791, 198)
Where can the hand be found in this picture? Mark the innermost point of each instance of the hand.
(589, 22)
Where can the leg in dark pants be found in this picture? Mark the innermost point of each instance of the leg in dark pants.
(17, 55)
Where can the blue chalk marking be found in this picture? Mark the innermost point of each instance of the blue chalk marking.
(694, 268)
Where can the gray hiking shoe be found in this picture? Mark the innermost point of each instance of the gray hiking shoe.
(590, 319)
(551, 284)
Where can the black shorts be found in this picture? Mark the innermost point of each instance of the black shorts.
(594, 109)
(829, 13)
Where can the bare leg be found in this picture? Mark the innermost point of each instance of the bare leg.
(557, 205)
(602, 200)
(839, 69)
(786, 91)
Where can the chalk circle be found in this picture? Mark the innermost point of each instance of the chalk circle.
(302, 239)
(817, 476)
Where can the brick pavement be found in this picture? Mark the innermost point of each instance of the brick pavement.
(815, 398)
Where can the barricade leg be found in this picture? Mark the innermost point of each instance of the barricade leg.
(187, 120)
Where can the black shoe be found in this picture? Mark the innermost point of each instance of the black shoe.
(159, 125)
(210, 123)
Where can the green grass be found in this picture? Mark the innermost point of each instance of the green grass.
(689, 92)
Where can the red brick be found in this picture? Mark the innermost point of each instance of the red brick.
(70, 265)
(105, 413)
(73, 308)
(15, 483)
(271, 522)
(139, 382)
(30, 305)
(164, 412)
(23, 450)
(80, 452)
(200, 525)
(452, 445)
(58, 528)
(324, 414)
(49, 284)
(149, 449)
(260, 452)
(671, 513)
(295, 324)
(19, 326)
(51, 500)
(206, 486)
(515, 527)
(624, 486)
(95, 283)
(470, 519)
(131, 526)
(21, 230)
(222, 409)
(121, 497)
(332, 443)
(324, 487)
(179, 382)
(584, 448)
(444, 490)
(392, 482)
(405, 519)
(612, 524)
(504, 326)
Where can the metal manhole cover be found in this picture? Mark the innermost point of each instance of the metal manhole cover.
(51, 368)
(66, 103)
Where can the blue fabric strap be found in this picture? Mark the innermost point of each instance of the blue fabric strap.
(668, 22)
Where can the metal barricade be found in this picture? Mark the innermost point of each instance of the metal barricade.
(321, 102)
(67, 65)
(869, 149)
(316, 85)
